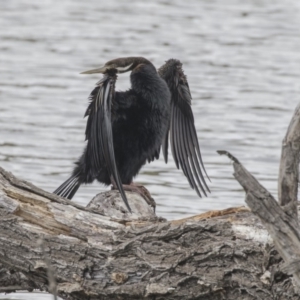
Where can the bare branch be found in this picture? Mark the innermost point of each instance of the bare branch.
(289, 163)
(282, 227)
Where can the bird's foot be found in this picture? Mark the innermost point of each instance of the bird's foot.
(141, 190)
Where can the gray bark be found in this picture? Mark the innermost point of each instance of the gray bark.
(281, 225)
(281, 221)
(102, 252)
(289, 163)
(217, 255)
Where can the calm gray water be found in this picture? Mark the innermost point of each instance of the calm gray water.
(242, 60)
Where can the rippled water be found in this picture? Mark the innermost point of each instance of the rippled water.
(242, 61)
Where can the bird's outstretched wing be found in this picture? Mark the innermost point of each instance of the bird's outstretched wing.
(183, 137)
(99, 134)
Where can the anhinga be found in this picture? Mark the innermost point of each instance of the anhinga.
(126, 129)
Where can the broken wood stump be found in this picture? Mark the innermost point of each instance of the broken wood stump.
(217, 255)
(102, 252)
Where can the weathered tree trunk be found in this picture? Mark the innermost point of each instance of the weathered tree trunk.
(281, 222)
(102, 252)
(289, 163)
(217, 255)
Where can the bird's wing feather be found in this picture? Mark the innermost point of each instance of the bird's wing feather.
(99, 130)
(182, 133)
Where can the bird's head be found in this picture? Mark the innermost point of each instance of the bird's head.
(120, 65)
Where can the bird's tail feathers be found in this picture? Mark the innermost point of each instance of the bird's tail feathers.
(69, 187)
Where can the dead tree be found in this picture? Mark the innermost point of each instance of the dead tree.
(101, 252)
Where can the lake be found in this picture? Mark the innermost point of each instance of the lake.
(241, 58)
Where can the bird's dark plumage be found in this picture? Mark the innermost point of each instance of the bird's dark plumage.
(183, 137)
(126, 129)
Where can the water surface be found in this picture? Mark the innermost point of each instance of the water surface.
(242, 61)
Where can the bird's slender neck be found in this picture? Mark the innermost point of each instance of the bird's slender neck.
(151, 88)
(144, 79)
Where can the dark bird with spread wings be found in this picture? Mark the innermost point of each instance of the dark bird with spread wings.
(126, 129)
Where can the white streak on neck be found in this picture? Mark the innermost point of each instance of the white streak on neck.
(124, 69)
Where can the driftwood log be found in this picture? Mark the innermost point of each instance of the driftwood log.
(100, 252)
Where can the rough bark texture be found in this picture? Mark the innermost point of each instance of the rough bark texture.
(102, 252)
(217, 255)
(281, 221)
(281, 225)
(289, 163)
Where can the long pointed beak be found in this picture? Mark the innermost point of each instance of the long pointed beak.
(99, 70)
